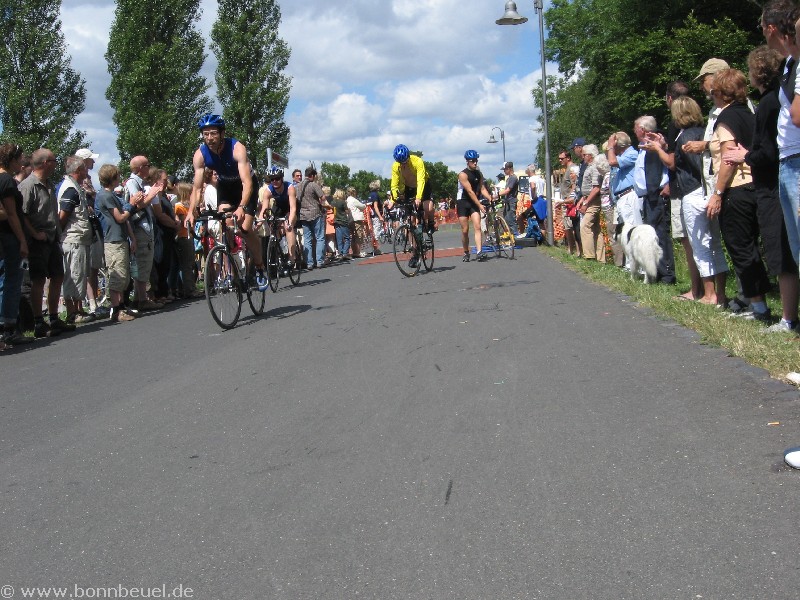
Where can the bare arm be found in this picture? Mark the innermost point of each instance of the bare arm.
(13, 221)
(292, 206)
(794, 110)
(199, 165)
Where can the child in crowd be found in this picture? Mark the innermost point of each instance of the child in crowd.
(116, 233)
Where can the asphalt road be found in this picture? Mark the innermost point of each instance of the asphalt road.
(495, 430)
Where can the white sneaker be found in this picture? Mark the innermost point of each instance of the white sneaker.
(751, 315)
(782, 326)
(792, 457)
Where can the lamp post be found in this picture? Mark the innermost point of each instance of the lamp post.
(512, 17)
(502, 139)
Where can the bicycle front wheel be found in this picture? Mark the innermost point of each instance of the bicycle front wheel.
(223, 289)
(504, 239)
(293, 266)
(405, 247)
(427, 251)
(273, 263)
(255, 298)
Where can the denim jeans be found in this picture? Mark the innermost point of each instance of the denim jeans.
(511, 215)
(10, 279)
(314, 229)
(789, 180)
(342, 239)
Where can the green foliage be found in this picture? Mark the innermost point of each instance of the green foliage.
(616, 58)
(444, 182)
(335, 175)
(40, 95)
(155, 54)
(251, 84)
(361, 180)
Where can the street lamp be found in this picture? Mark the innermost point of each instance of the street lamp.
(502, 139)
(512, 17)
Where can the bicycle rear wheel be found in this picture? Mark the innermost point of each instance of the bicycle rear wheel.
(223, 287)
(427, 251)
(273, 263)
(405, 247)
(505, 240)
(255, 298)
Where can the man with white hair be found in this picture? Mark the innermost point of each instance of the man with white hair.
(96, 250)
(76, 238)
(589, 205)
(650, 179)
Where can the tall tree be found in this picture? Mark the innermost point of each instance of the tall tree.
(615, 58)
(251, 84)
(155, 54)
(41, 94)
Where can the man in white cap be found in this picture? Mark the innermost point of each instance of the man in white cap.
(96, 250)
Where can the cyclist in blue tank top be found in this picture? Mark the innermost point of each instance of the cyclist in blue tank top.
(285, 204)
(237, 189)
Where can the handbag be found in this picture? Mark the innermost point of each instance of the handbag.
(572, 210)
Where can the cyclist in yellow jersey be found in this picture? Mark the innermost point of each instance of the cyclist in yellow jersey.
(409, 172)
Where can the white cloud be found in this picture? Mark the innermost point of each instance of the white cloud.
(434, 74)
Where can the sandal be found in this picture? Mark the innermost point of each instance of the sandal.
(684, 297)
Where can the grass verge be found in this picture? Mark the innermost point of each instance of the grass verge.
(777, 353)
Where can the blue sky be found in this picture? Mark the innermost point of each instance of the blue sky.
(436, 75)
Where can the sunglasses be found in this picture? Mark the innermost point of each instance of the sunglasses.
(275, 178)
(472, 160)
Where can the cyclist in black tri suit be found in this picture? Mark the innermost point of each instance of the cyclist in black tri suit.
(284, 195)
(237, 188)
(471, 186)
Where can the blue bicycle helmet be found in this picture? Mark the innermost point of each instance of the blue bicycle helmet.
(471, 155)
(274, 171)
(401, 153)
(209, 120)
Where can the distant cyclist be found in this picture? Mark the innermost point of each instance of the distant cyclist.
(409, 171)
(284, 196)
(471, 186)
(237, 188)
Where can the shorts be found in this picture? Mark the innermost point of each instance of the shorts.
(465, 208)
(76, 270)
(571, 222)
(96, 255)
(144, 255)
(118, 261)
(45, 259)
(230, 193)
(676, 219)
(411, 193)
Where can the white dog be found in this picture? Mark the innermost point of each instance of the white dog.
(642, 252)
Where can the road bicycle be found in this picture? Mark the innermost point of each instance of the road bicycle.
(277, 257)
(499, 238)
(410, 241)
(223, 277)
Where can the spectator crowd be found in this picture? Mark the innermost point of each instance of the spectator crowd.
(726, 183)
